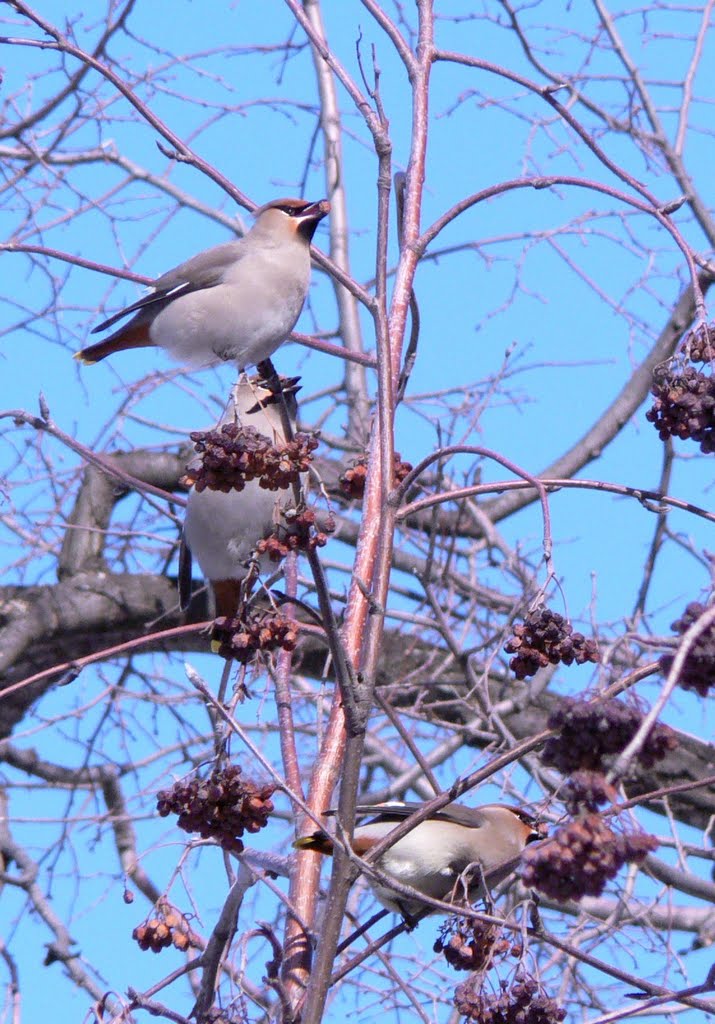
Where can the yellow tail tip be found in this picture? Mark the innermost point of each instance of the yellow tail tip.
(215, 646)
(305, 843)
(82, 358)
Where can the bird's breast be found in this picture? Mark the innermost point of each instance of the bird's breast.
(245, 316)
(222, 530)
(435, 850)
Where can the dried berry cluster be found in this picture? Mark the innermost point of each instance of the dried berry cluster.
(587, 790)
(581, 857)
(699, 345)
(232, 455)
(242, 636)
(217, 1015)
(698, 671)
(167, 928)
(684, 406)
(523, 1003)
(546, 638)
(472, 945)
(352, 482)
(402, 468)
(589, 732)
(221, 807)
(299, 534)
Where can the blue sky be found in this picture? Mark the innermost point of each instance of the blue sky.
(576, 310)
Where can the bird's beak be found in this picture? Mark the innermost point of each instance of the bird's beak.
(309, 217)
(316, 211)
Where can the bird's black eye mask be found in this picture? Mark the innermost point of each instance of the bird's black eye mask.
(307, 229)
(539, 829)
(289, 387)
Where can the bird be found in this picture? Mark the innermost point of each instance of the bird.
(221, 529)
(432, 857)
(236, 301)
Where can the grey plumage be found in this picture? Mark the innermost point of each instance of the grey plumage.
(221, 530)
(433, 855)
(236, 301)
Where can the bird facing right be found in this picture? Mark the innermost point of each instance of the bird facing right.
(436, 852)
(237, 301)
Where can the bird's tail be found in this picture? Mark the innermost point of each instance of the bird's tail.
(319, 842)
(229, 596)
(131, 336)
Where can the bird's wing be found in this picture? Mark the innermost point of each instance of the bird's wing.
(152, 303)
(395, 810)
(205, 270)
(185, 561)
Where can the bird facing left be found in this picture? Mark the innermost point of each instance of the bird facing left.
(234, 302)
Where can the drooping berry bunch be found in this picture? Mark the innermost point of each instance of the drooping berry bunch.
(523, 1003)
(699, 345)
(168, 927)
(546, 638)
(298, 532)
(581, 857)
(231, 455)
(352, 481)
(587, 791)
(221, 1015)
(222, 807)
(684, 405)
(698, 671)
(242, 636)
(590, 731)
(402, 468)
(471, 945)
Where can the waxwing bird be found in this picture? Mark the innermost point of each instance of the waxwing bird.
(437, 851)
(222, 529)
(237, 301)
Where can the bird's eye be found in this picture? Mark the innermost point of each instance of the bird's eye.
(292, 210)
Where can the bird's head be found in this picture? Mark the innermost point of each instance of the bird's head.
(291, 217)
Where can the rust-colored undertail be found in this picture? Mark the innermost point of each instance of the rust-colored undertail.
(131, 336)
(227, 595)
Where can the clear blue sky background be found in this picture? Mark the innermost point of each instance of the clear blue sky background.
(571, 350)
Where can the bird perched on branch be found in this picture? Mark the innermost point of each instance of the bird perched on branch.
(223, 527)
(237, 301)
(436, 852)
